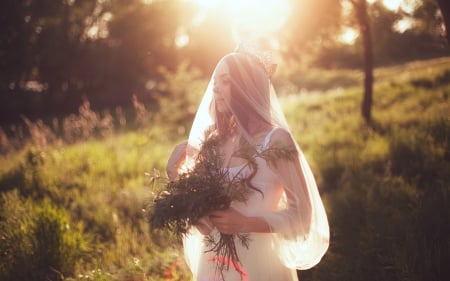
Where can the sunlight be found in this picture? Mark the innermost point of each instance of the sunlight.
(181, 38)
(249, 19)
(98, 28)
(395, 5)
(392, 5)
(403, 25)
(349, 35)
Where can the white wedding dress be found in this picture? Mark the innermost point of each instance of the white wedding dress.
(260, 261)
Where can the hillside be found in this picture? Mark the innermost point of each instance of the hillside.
(76, 210)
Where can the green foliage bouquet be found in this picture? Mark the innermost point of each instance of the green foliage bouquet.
(208, 187)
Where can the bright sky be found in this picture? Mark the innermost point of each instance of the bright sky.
(256, 18)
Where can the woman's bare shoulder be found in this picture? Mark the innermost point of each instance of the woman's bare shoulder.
(283, 137)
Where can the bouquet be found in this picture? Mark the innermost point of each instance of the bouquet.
(205, 188)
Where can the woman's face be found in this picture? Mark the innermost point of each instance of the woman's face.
(222, 86)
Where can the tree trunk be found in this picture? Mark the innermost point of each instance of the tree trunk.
(364, 26)
(366, 107)
(444, 5)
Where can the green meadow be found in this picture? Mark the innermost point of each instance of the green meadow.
(74, 190)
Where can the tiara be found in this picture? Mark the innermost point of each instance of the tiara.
(263, 58)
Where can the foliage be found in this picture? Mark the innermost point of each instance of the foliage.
(38, 241)
(207, 187)
(101, 184)
(180, 92)
(197, 192)
(54, 54)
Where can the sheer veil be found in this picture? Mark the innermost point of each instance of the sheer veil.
(300, 225)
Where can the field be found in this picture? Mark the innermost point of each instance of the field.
(74, 191)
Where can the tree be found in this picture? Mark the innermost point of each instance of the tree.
(39, 46)
(141, 39)
(320, 21)
(362, 16)
(54, 53)
(445, 10)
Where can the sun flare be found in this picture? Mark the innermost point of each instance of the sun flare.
(249, 19)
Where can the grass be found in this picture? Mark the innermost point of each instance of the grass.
(84, 189)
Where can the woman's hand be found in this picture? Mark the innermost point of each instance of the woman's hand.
(231, 221)
(175, 159)
(204, 226)
(228, 221)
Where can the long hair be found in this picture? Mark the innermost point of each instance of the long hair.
(226, 124)
(249, 95)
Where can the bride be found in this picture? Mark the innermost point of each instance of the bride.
(286, 222)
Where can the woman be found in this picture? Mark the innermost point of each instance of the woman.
(286, 222)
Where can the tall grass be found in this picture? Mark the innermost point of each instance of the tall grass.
(94, 173)
(386, 186)
(39, 242)
(73, 197)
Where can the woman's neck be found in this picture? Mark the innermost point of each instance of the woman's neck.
(258, 129)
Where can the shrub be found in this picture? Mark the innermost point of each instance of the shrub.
(38, 241)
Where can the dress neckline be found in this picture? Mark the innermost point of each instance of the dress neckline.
(259, 147)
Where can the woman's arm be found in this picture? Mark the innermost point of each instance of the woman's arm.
(298, 209)
(176, 158)
(297, 214)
